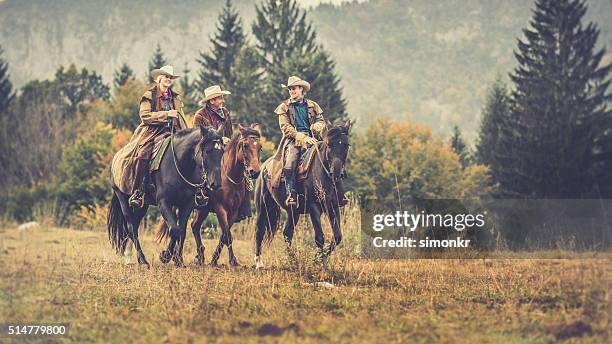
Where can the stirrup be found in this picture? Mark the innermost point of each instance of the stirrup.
(137, 199)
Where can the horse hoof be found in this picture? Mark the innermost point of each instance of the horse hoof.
(258, 263)
(199, 261)
(235, 264)
(214, 264)
(178, 262)
(165, 256)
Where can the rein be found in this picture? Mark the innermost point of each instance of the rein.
(328, 172)
(322, 161)
(203, 174)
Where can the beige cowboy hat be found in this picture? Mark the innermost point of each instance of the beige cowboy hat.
(296, 81)
(212, 92)
(165, 70)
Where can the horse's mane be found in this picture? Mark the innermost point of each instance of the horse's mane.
(334, 132)
(184, 132)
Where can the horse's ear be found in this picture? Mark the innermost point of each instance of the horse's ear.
(328, 124)
(240, 127)
(347, 125)
(257, 127)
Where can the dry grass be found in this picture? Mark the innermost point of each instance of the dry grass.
(66, 276)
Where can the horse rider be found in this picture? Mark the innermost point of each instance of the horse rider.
(214, 114)
(160, 106)
(301, 122)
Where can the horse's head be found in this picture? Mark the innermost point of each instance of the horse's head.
(211, 151)
(336, 147)
(249, 149)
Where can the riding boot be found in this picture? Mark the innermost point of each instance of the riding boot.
(291, 200)
(137, 198)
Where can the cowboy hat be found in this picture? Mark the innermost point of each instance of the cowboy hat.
(296, 81)
(165, 70)
(212, 92)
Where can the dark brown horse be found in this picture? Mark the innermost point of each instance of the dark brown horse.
(322, 190)
(240, 163)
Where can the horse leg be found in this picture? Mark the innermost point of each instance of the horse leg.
(315, 218)
(222, 218)
(169, 216)
(137, 217)
(196, 228)
(226, 226)
(230, 250)
(293, 217)
(133, 221)
(183, 215)
(334, 218)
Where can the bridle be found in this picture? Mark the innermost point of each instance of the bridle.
(329, 171)
(203, 175)
(242, 144)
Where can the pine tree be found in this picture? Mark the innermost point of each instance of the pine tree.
(560, 138)
(233, 65)
(122, 75)
(188, 89)
(246, 100)
(6, 87)
(157, 61)
(494, 138)
(460, 147)
(216, 65)
(286, 43)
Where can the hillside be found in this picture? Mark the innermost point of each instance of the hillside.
(432, 62)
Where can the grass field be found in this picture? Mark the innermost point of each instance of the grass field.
(54, 275)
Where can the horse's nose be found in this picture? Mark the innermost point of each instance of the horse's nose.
(254, 174)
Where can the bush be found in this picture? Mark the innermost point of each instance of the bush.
(397, 157)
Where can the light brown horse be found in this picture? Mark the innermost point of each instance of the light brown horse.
(239, 164)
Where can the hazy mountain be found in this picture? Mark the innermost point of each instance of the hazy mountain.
(430, 60)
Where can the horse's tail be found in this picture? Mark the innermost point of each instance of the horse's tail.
(116, 225)
(268, 211)
(163, 232)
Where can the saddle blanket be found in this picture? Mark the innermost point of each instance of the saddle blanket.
(158, 153)
(304, 162)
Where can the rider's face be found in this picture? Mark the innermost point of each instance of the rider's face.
(296, 92)
(166, 81)
(217, 102)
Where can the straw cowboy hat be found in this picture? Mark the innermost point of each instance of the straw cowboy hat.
(165, 70)
(212, 92)
(296, 81)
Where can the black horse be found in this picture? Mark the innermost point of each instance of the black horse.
(322, 190)
(192, 161)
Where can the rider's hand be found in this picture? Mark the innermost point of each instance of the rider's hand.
(173, 113)
(225, 140)
(310, 140)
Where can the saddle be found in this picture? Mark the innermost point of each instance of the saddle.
(303, 166)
